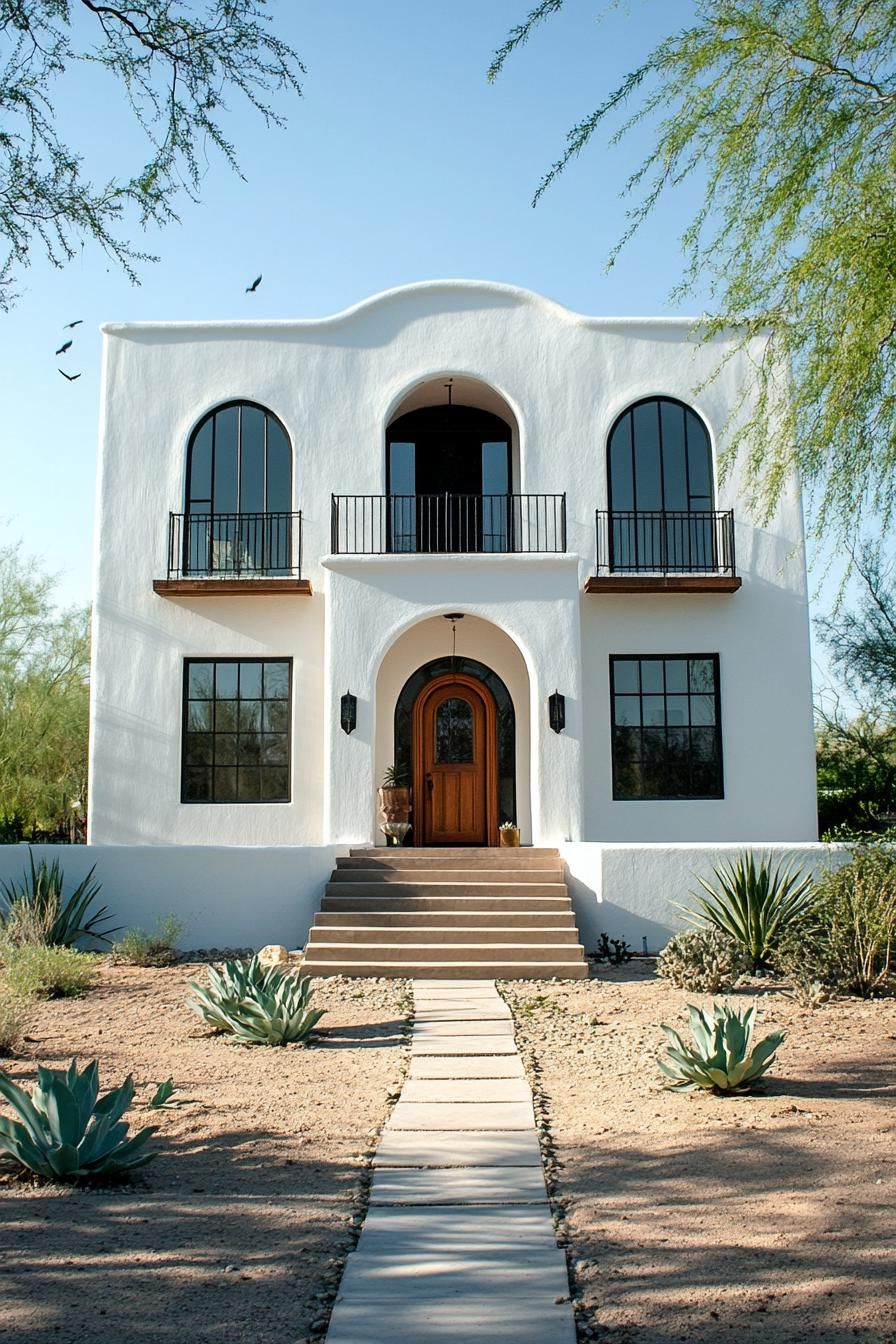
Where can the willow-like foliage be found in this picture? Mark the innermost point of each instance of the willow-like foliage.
(783, 114)
(175, 65)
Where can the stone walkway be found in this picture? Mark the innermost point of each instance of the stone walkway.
(458, 1243)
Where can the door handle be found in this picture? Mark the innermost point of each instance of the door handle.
(429, 783)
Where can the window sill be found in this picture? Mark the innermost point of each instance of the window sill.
(212, 587)
(663, 583)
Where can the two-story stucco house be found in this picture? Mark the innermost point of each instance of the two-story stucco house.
(457, 528)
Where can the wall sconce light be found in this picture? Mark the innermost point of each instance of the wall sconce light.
(348, 712)
(557, 711)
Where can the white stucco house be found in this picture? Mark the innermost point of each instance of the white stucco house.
(458, 528)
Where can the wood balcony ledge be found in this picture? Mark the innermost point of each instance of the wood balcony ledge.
(217, 587)
(663, 583)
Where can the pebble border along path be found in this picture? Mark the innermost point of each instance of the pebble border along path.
(458, 1243)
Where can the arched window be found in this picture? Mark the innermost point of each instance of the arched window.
(660, 488)
(238, 493)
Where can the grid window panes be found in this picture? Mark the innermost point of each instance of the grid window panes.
(667, 732)
(236, 731)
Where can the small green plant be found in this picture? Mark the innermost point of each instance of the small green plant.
(848, 942)
(158, 948)
(65, 1132)
(702, 961)
(14, 1010)
(49, 972)
(723, 1058)
(257, 1005)
(396, 777)
(34, 909)
(161, 1098)
(753, 903)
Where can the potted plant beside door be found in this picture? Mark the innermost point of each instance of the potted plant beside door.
(395, 802)
(508, 835)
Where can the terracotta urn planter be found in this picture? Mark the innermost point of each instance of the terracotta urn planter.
(509, 837)
(395, 804)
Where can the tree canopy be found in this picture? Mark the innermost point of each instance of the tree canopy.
(175, 62)
(44, 695)
(782, 114)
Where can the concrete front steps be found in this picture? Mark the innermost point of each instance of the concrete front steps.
(447, 914)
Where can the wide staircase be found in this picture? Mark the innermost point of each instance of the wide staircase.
(447, 913)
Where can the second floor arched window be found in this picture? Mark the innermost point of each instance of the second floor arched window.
(238, 493)
(659, 461)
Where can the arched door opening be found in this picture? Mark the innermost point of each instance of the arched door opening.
(455, 734)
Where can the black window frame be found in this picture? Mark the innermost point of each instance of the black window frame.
(639, 658)
(658, 402)
(213, 733)
(202, 504)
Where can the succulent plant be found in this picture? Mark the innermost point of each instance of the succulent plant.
(723, 1058)
(702, 961)
(37, 904)
(65, 1133)
(753, 903)
(256, 1005)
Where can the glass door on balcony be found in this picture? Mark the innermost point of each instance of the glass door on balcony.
(448, 481)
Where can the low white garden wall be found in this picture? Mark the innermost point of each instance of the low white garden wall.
(236, 896)
(630, 891)
(243, 896)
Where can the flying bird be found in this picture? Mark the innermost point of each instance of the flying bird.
(250, 289)
(62, 349)
(70, 376)
(69, 326)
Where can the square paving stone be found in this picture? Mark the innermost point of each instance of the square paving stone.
(467, 1066)
(490, 1028)
(463, 1013)
(459, 1185)
(374, 1274)
(453, 1148)
(443, 1230)
(462, 1115)
(462, 1045)
(454, 986)
(466, 1089)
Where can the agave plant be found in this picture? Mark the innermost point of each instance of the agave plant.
(66, 1132)
(753, 903)
(257, 1005)
(37, 906)
(723, 1058)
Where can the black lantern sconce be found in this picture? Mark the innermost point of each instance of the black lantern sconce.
(348, 712)
(557, 711)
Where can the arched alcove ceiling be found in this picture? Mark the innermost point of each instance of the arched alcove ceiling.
(465, 391)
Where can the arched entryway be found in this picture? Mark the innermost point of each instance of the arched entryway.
(455, 734)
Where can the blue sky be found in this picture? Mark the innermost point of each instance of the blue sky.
(400, 163)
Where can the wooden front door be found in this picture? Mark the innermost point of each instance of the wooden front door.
(455, 755)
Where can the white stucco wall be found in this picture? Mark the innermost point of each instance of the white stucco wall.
(335, 383)
(226, 897)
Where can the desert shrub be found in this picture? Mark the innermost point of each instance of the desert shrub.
(49, 972)
(847, 944)
(256, 1005)
(34, 909)
(159, 948)
(723, 1057)
(14, 1010)
(753, 903)
(65, 1132)
(702, 961)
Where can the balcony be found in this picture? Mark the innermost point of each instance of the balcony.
(228, 553)
(447, 524)
(685, 552)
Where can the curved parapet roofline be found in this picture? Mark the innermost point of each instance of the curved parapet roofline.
(455, 289)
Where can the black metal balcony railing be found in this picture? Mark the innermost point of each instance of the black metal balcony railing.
(699, 542)
(447, 524)
(234, 545)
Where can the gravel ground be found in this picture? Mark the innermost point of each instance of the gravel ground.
(239, 1230)
(691, 1217)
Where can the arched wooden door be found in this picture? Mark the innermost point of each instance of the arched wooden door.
(455, 763)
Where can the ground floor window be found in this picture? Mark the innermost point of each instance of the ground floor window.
(236, 730)
(667, 735)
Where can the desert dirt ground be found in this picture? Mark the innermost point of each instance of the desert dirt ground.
(239, 1229)
(692, 1217)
